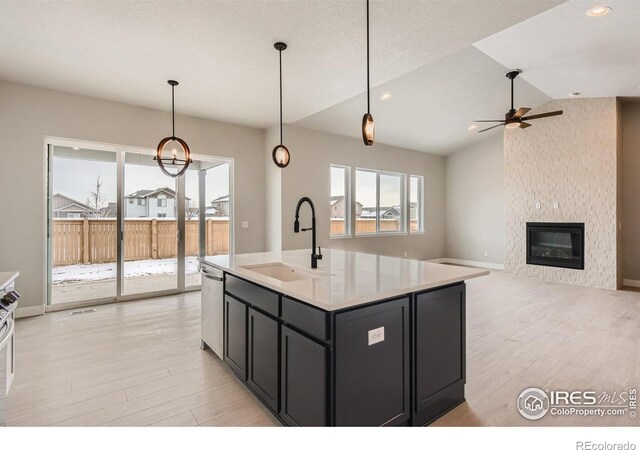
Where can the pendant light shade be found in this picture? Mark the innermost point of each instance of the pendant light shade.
(368, 125)
(280, 153)
(173, 154)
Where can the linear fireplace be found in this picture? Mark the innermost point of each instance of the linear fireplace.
(556, 244)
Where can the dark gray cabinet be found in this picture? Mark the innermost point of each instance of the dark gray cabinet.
(439, 351)
(372, 365)
(262, 348)
(304, 380)
(399, 361)
(235, 335)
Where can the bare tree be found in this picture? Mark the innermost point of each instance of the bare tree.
(191, 210)
(96, 201)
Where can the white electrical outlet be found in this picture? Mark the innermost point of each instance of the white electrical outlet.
(538, 205)
(556, 205)
(376, 335)
(486, 253)
(245, 224)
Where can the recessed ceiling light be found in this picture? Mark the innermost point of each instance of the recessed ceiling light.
(76, 148)
(472, 127)
(598, 11)
(386, 96)
(575, 94)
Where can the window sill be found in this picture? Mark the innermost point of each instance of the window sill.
(340, 236)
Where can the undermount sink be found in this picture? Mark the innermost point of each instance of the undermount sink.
(282, 272)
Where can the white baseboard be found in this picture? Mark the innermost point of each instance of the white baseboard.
(631, 283)
(28, 311)
(466, 262)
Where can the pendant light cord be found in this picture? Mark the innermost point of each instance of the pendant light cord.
(173, 113)
(280, 52)
(368, 92)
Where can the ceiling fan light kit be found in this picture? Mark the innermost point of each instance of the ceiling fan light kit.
(516, 119)
(172, 154)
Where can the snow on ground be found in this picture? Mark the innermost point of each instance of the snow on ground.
(132, 269)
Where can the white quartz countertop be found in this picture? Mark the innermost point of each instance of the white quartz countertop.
(6, 278)
(346, 278)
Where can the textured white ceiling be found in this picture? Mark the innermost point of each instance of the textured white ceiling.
(563, 50)
(432, 107)
(222, 53)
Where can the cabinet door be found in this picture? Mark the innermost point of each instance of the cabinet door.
(263, 357)
(235, 335)
(439, 342)
(304, 380)
(372, 365)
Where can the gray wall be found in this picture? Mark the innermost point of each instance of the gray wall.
(631, 191)
(475, 202)
(29, 114)
(312, 153)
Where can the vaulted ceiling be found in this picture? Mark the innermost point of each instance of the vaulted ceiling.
(422, 53)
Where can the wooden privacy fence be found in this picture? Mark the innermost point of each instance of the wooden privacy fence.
(369, 225)
(78, 241)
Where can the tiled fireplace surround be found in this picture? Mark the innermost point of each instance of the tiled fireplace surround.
(567, 169)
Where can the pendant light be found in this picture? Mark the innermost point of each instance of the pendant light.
(173, 155)
(368, 126)
(280, 154)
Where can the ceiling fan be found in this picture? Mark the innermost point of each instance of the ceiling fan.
(513, 118)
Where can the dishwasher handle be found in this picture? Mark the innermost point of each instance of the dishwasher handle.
(209, 275)
(9, 326)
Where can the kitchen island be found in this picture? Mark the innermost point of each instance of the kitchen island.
(363, 340)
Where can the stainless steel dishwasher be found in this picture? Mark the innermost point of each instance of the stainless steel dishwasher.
(211, 310)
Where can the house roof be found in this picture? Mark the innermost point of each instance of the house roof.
(81, 205)
(335, 199)
(224, 198)
(143, 193)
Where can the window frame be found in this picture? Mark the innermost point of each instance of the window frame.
(420, 204)
(161, 201)
(403, 202)
(347, 202)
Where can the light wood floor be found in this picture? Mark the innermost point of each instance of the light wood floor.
(139, 363)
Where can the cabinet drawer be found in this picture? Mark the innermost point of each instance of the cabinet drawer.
(254, 295)
(311, 320)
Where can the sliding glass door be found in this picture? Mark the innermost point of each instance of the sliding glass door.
(82, 194)
(120, 229)
(149, 227)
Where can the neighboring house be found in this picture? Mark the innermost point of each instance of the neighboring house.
(390, 213)
(368, 212)
(161, 203)
(110, 211)
(64, 207)
(338, 207)
(220, 206)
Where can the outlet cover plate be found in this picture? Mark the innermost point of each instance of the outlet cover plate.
(376, 336)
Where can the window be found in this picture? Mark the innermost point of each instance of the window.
(161, 215)
(74, 216)
(142, 202)
(380, 202)
(131, 201)
(416, 203)
(340, 201)
(162, 201)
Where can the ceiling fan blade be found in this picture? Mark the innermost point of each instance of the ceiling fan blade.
(524, 125)
(540, 116)
(521, 112)
(490, 128)
(489, 121)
